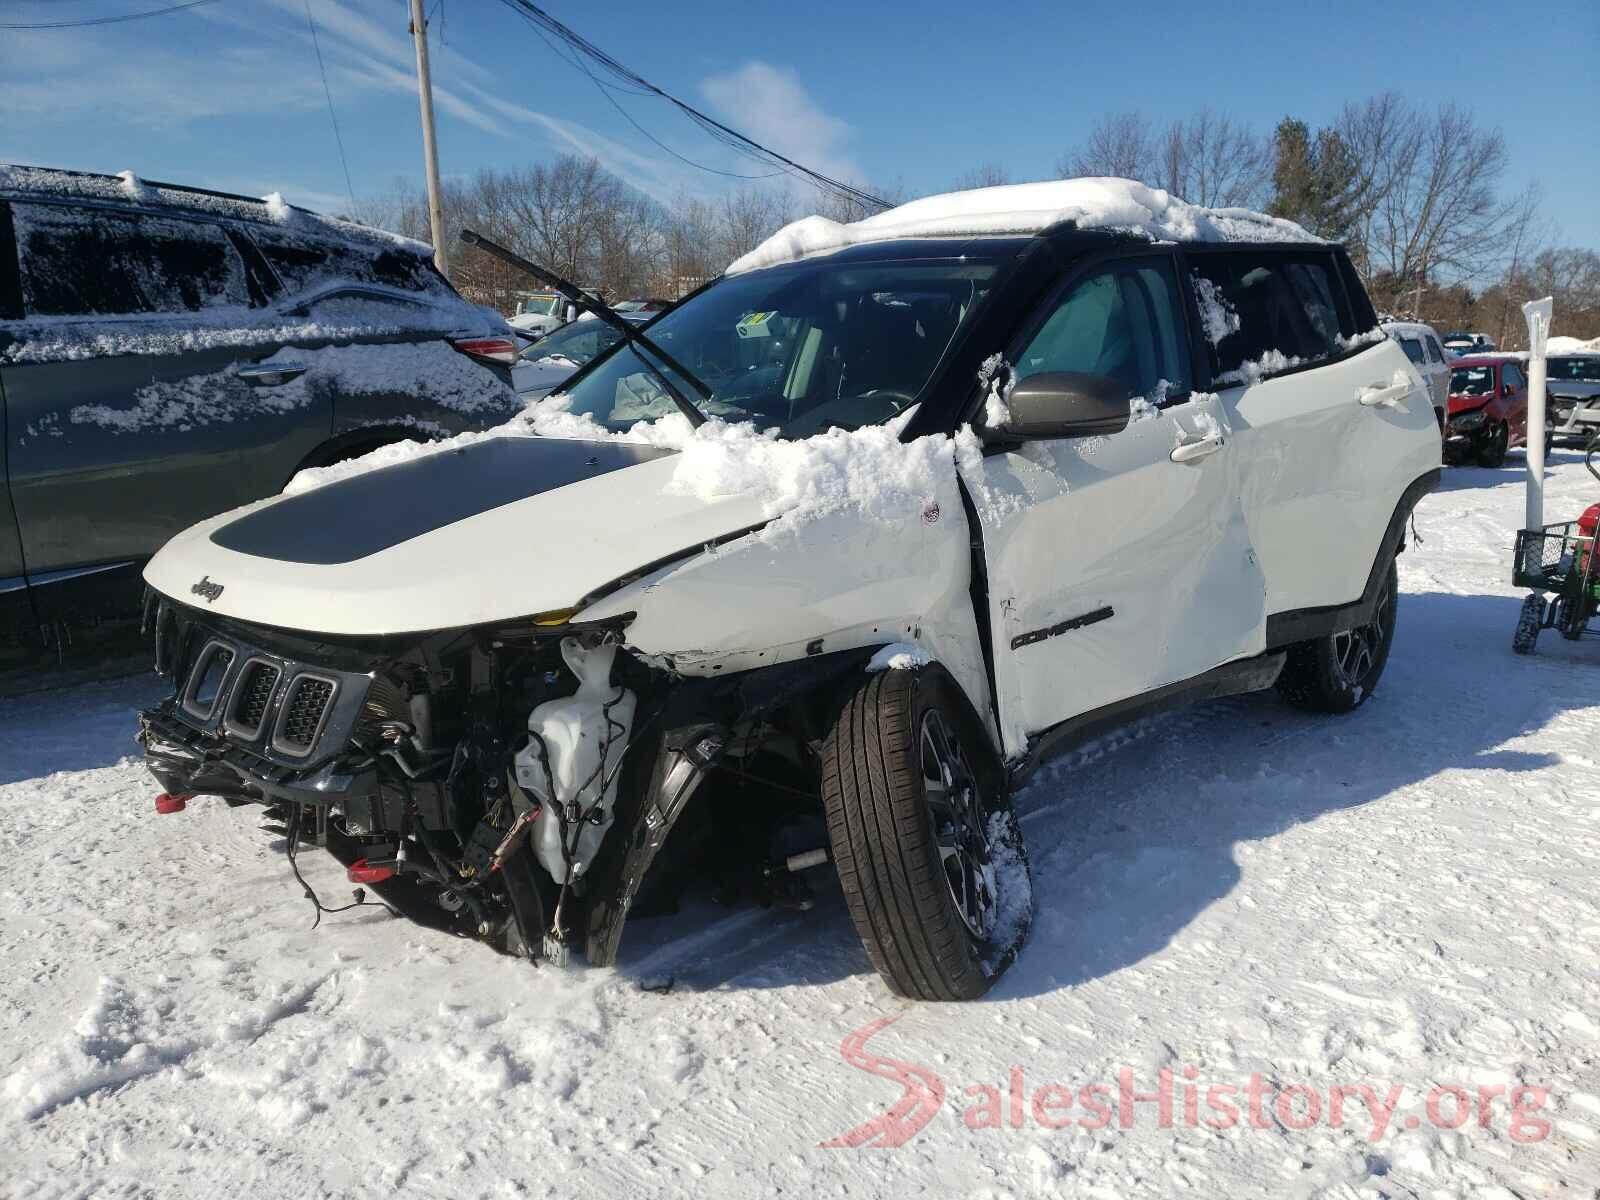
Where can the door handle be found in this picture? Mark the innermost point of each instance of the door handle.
(271, 374)
(1196, 449)
(1388, 395)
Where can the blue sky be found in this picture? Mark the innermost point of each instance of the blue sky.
(228, 95)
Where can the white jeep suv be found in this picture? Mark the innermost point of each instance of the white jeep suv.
(817, 567)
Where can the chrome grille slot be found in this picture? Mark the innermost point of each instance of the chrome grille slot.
(305, 711)
(252, 696)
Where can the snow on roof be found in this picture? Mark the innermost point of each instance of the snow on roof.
(1028, 208)
(1572, 345)
(126, 187)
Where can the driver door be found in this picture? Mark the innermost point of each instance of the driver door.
(1121, 563)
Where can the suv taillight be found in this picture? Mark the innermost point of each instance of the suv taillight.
(490, 349)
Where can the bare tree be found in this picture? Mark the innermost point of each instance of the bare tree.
(1431, 205)
(1208, 158)
(1119, 144)
(989, 174)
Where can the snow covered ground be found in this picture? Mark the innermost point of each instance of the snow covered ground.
(1405, 898)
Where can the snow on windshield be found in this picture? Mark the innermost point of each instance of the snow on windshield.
(1021, 208)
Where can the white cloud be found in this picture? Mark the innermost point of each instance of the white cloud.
(771, 105)
(258, 61)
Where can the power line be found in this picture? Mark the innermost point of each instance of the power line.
(138, 16)
(332, 115)
(729, 137)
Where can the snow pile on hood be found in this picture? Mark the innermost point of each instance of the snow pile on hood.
(1026, 208)
(868, 470)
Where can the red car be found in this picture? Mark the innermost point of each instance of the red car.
(1488, 410)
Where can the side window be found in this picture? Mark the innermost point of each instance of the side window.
(1282, 309)
(1121, 322)
(305, 263)
(1434, 353)
(1511, 376)
(1413, 349)
(92, 262)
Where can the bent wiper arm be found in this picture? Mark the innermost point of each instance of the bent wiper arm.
(629, 332)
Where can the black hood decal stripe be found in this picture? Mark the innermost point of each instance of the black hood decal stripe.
(353, 518)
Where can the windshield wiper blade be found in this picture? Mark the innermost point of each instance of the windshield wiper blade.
(627, 329)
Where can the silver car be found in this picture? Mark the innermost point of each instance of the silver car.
(1572, 385)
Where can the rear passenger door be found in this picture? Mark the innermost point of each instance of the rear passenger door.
(1315, 401)
(133, 410)
(1121, 563)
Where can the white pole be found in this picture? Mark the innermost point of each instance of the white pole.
(430, 149)
(1537, 313)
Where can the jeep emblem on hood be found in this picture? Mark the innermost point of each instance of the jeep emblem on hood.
(207, 589)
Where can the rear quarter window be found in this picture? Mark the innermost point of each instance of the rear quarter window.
(1282, 309)
(96, 262)
(308, 264)
(1413, 349)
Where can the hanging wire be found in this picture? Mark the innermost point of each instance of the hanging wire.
(332, 116)
(137, 16)
(637, 84)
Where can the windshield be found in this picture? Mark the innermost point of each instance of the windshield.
(1586, 369)
(537, 306)
(1472, 381)
(576, 343)
(804, 348)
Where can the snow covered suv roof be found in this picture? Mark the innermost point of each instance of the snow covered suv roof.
(1027, 208)
(23, 182)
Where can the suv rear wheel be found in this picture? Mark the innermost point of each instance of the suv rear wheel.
(1337, 673)
(928, 850)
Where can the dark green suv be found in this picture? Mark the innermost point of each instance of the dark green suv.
(168, 353)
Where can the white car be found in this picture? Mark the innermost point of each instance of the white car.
(1423, 348)
(983, 476)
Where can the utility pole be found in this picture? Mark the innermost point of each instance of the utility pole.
(430, 148)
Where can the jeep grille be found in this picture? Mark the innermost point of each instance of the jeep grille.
(303, 713)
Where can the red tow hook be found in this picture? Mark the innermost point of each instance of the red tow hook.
(362, 871)
(167, 802)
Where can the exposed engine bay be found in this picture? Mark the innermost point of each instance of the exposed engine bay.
(513, 784)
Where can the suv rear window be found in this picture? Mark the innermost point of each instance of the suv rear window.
(1286, 304)
(305, 264)
(1586, 369)
(93, 262)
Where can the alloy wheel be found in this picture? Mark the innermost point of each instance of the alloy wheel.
(1355, 651)
(959, 824)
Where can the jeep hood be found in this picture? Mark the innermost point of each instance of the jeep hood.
(499, 529)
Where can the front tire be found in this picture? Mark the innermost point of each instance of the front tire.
(1336, 673)
(1529, 621)
(928, 850)
(1493, 451)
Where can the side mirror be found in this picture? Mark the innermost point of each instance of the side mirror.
(1062, 404)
